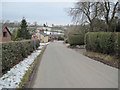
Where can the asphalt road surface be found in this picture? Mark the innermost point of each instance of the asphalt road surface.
(62, 67)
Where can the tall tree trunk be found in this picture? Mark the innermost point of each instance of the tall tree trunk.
(109, 28)
(91, 27)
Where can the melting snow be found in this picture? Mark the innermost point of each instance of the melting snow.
(42, 44)
(13, 77)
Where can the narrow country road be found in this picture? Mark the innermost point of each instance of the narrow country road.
(62, 67)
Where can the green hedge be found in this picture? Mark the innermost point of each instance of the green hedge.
(103, 42)
(14, 52)
(60, 38)
(76, 39)
(118, 44)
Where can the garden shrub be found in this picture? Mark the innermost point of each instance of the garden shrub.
(118, 44)
(14, 52)
(93, 41)
(106, 42)
(103, 42)
(76, 39)
(60, 38)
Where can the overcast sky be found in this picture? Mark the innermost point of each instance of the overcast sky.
(42, 12)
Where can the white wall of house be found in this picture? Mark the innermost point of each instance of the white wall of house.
(41, 38)
(45, 39)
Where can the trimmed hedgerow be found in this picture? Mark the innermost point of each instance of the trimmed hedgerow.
(76, 39)
(92, 41)
(103, 42)
(118, 44)
(14, 52)
(106, 42)
(60, 38)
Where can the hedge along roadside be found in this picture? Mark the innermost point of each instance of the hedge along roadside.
(14, 52)
(117, 43)
(76, 39)
(103, 42)
(28, 78)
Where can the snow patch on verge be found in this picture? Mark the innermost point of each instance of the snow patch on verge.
(13, 77)
(42, 44)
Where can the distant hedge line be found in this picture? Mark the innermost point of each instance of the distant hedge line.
(103, 42)
(14, 52)
(76, 39)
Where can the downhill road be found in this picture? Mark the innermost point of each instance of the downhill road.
(62, 67)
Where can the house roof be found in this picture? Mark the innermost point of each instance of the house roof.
(5, 27)
(44, 34)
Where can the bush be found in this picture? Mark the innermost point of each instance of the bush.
(18, 39)
(60, 38)
(106, 42)
(118, 44)
(103, 42)
(14, 52)
(92, 42)
(76, 39)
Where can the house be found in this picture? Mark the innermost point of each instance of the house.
(42, 36)
(5, 34)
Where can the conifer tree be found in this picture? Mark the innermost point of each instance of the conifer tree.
(23, 31)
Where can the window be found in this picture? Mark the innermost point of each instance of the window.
(4, 34)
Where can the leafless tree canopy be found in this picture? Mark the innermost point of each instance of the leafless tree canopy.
(110, 10)
(88, 11)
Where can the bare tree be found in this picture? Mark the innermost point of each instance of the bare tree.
(86, 12)
(110, 10)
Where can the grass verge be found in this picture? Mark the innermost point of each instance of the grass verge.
(104, 58)
(27, 76)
